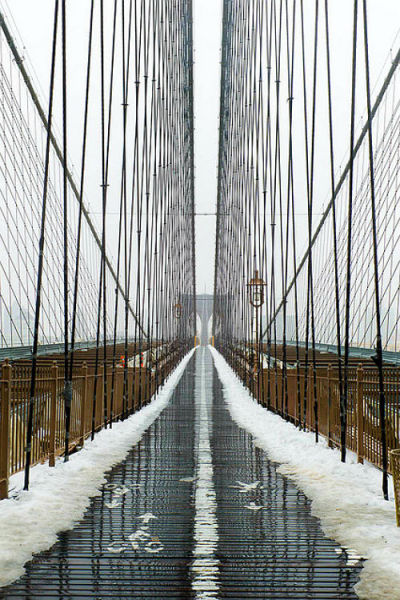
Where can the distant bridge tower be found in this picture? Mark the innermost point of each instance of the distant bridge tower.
(204, 305)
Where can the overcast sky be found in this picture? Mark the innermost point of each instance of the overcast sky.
(33, 20)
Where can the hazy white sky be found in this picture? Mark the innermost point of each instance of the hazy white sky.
(33, 19)
(207, 42)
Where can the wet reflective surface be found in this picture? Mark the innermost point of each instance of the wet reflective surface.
(195, 511)
(270, 544)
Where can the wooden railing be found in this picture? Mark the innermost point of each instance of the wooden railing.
(49, 411)
(283, 391)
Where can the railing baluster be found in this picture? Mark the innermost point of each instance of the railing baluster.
(5, 437)
(360, 414)
(53, 413)
(84, 396)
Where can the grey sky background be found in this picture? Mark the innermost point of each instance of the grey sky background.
(33, 23)
(207, 33)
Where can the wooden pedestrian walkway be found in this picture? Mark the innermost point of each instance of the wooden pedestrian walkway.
(195, 511)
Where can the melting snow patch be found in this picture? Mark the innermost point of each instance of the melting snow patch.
(121, 491)
(113, 504)
(154, 547)
(245, 488)
(347, 498)
(140, 535)
(59, 496)
(150, 544)
(115, 548)
(254, 506)
(110, 486)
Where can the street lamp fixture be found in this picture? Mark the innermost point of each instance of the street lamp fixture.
(178, 310)
(256, 297)
(256, 290)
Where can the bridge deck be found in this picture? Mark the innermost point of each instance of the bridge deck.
(203, 541)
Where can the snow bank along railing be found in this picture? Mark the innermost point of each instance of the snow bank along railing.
(49, 414)
(284, 391)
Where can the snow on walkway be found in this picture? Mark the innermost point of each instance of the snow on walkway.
(205, 568)
(347, 498)
(59, 496)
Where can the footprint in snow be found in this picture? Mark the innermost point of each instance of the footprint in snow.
(147, 517)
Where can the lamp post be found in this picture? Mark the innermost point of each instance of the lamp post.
(178, 310)
(256, 297)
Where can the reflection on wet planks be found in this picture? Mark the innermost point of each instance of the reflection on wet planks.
(194, 474)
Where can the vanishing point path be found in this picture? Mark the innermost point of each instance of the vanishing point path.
(181, 518)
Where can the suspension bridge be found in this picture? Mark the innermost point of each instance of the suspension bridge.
(102, 331)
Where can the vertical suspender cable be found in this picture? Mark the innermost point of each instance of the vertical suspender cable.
(379, 360)
(67, 381)
(41, 258)
(191, 133)
(81, 188)
(310, 207)
(105, 188)
(122, 229)
(102, 248)
(104, 208)
(308, 252)
(343, 403)
(334, 227)
(127, 247)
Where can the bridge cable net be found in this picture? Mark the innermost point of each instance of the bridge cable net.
(308, 255)
(97, 231)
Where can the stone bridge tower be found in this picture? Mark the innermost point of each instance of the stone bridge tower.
(204, 305)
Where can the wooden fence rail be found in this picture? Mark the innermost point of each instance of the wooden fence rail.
(285, 392)
(49, 412)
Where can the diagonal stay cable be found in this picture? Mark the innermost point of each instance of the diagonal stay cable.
(339, 185)
(58, 151)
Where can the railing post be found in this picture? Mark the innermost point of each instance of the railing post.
(329, 405)
(104, 408)
(360, 414)
(53, 414)
(83, 403)
(5, 426)
(310, 399)
(129, 388)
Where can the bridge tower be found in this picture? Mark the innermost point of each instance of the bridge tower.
(204, 308)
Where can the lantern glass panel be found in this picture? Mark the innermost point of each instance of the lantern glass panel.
(257, 297)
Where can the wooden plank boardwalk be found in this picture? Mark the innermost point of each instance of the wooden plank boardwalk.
(179, 518)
